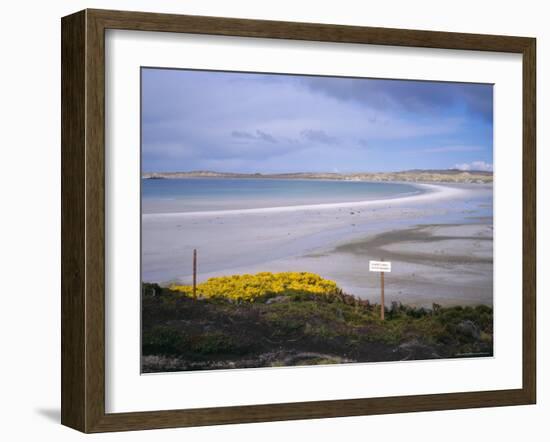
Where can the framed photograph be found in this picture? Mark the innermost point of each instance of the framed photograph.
(270, 220)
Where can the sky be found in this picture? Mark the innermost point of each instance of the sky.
(267, 123)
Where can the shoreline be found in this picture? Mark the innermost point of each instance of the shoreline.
(311, 239)
(431, 192)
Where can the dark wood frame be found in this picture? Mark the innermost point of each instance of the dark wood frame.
(83, 216)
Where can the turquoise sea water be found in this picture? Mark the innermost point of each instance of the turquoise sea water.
(212, 194)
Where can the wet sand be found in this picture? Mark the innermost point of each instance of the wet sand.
(440, 245)
(447, 264)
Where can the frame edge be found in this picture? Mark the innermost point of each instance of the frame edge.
(529, 221)
(83, 235)
(73, 256)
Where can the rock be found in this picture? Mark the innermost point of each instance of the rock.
(468, 328)
(414, 349)
(277, 299)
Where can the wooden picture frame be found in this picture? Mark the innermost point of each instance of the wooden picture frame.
(83, 220)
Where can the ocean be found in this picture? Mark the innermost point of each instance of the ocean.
(215, 194)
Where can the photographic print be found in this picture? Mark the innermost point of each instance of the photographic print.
(291, 220)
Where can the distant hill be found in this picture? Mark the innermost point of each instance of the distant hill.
(415, 175)
(448, 171)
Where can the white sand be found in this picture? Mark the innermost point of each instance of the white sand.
(305, 238)
(432, 193)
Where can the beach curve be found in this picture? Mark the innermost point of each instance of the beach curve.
(432, 192)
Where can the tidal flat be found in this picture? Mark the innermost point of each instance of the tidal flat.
(440, 244)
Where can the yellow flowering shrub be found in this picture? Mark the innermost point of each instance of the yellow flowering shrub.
(250, 287)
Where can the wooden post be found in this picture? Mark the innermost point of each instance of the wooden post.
(382, 312)
(381, 267)
(194, 274)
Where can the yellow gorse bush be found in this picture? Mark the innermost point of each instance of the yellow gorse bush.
(250, 287)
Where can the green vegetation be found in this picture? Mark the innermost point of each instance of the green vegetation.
(297, 327)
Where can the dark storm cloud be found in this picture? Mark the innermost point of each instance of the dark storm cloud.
(412, 96)
(197, 120)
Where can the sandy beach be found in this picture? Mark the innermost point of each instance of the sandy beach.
(440, 244)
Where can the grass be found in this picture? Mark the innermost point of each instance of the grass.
(299, 328)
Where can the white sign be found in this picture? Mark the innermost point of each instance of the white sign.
(380, 266)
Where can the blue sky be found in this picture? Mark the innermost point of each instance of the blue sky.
(242, 122)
